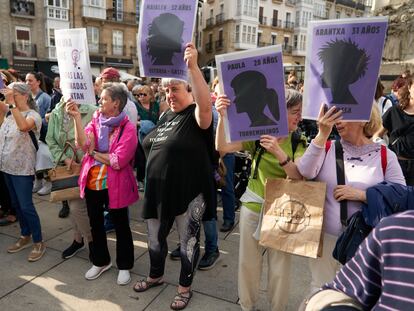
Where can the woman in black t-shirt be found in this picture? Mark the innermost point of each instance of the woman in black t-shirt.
(179, 177)
(398, 121)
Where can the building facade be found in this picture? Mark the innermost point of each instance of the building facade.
(234, 25)
(112, 28)
(21, 23)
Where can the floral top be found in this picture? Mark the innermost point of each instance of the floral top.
(17, 152)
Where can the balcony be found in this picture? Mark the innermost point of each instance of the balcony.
(209, 47)
(220, 18)
(288, 25)
(287, 49)
(290, 2)
(210, 22)
(97, 48)
(121, 17)
(277, 1)
(276, 23)
(351, 4)
(263, 20)
(22, 8)
(219, 45)
(118, 50)
(24, 50)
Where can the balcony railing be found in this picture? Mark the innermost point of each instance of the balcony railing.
(220, 18)
(277, 1)
(210, 22)
(24, 50)
(262, 20)
(98, 48)
(121, 16)
(22, 8)
(209, 47)
(219, 45)
(351, 4)
(287, 48)
(289, 25)
(118, 50)
(276, 23)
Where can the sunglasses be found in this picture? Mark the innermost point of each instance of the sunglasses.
(140, 94)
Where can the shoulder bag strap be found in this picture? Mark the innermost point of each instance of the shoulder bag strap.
(384, 159)
(340, 176)
(34, 140)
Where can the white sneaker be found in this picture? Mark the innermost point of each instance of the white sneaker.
(45, 190)
(123, 277)
(94, 272)
(37, 185)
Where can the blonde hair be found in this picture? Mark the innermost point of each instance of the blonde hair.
(374, 123)
(148, 90)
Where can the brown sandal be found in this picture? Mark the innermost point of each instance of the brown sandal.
(180, 298)
(144, 285)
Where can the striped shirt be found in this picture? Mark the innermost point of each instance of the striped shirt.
(381, 274)
(97, 177)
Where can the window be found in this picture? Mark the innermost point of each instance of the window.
(51, 37)
(92, 34)
(117, 42)
(118, 12)
(295, 41)
(259, 38)
(244, 33)
(222, 8)
(97, 3)
(237, 33)
(249, 34)
(23, 42)
(338, 15)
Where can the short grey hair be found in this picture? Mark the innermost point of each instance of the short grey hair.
(293, 98)
(171, 81)
(117, 91)
(24, 89)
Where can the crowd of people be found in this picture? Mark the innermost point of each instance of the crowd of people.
(166, 139)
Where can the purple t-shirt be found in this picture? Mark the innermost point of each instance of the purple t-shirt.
(362, 170)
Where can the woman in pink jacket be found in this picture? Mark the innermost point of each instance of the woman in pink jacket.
(106, 178)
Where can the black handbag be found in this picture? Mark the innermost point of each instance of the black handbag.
(356, 230)
(348, 242)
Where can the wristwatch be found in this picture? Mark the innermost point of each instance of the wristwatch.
(288, 159)
(12, 106)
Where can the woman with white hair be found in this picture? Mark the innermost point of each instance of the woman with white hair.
(19, 132)
(179, 178)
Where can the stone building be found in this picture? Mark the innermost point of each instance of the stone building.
(22, 26)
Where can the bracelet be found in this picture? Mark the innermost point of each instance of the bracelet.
(285, 162)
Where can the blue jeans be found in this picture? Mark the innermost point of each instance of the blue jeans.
(20, 189)
(211, 235)
(227, 192)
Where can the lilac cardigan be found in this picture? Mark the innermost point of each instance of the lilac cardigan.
(362, 170)
(122, 187)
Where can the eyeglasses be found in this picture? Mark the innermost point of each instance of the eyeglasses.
(140, 94)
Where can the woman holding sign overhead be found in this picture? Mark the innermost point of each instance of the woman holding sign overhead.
(272, 158)
(179, 179)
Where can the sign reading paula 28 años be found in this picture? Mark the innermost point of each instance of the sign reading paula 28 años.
(253, 81)
(342, 65)
(165, 27)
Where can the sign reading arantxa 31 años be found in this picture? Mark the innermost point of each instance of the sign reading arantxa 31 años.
(74, 67)
(342, 65)
(253, 80)
(165, 27)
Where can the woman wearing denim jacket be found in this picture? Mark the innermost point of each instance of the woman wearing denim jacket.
(107, 178)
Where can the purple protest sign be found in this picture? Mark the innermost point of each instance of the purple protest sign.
(342, 65)
(253, 80)
(164, 29)
(2, 86)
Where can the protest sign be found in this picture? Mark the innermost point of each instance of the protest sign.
(2, 86)
(253, 80)
(342, 65)
(165, 27)
(74, 68)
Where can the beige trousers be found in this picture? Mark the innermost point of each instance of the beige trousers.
(324, 269)
(250, 267)
(80, 220)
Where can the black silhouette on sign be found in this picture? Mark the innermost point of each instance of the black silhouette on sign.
(344, 63)
(252, 97)
(164, 38)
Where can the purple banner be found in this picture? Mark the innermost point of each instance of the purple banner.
(254, 83)
(342, 65)
(165, 28)
(2, 86)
